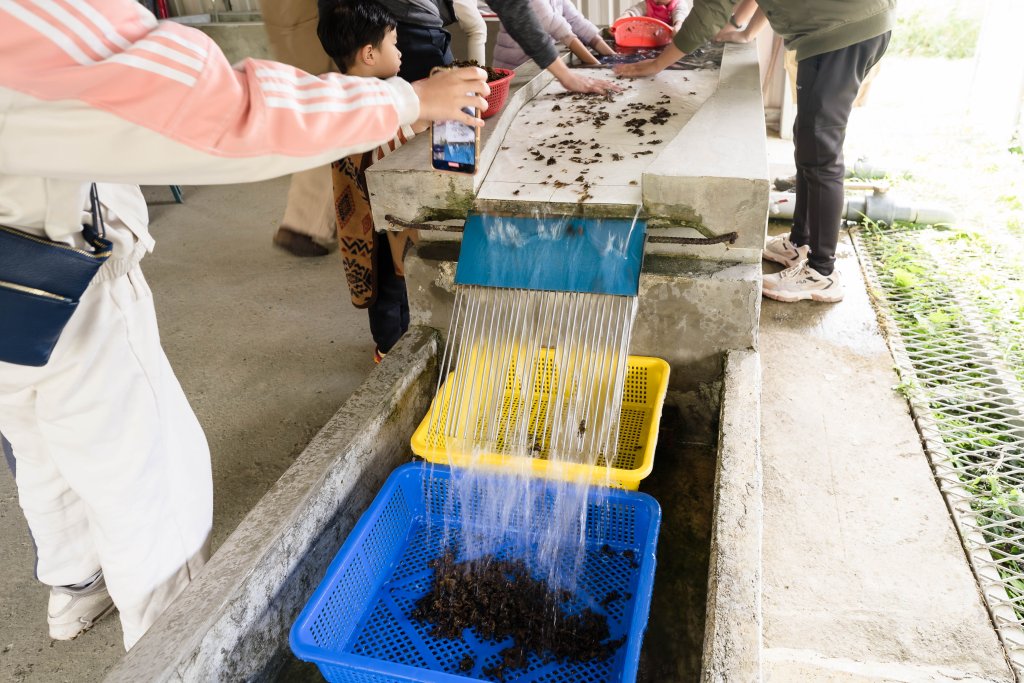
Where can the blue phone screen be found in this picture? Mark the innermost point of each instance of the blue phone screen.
(453, 145)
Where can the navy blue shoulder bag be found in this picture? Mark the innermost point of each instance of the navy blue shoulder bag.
(41, 283)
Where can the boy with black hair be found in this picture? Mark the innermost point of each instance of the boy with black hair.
(361, 36)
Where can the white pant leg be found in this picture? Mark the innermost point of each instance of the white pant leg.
(56, 516)
(107, 420)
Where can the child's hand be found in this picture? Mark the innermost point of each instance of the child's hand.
(650, 67)
(445, 94)
(574, 82)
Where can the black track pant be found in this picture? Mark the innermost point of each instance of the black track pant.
(389, 313)
(826, 86)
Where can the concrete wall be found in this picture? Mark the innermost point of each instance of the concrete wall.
(691, 311)
(239, 40)
(232, 623)
(713, 176)
(733, 623)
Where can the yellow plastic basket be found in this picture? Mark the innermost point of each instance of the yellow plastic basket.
(642, 400)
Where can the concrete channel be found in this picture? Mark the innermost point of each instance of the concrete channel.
(699, 310)
(232, 623)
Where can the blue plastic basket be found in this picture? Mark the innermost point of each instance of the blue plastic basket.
(356, 626)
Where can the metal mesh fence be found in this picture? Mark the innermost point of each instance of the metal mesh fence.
(953, 319)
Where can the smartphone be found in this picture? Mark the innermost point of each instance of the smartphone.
(453, 145)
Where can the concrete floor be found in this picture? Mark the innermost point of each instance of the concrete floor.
(864, 576)
(266, 346)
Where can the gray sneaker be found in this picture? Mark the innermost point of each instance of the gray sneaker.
(802, 282)
(780, 250)
(73, 611)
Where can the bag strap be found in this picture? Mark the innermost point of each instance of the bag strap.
(96, 232)
(97, 228)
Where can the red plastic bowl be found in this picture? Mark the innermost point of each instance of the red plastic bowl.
(641, 32)
(499, 92)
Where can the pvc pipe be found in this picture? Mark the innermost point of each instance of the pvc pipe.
(859, 169)
(863, 169)
(878, 206)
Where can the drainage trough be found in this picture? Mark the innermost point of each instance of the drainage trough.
(232, 623)
(698, 309)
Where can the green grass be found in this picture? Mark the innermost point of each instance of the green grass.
(926, 33)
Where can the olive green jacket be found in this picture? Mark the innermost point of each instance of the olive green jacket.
(811, 27)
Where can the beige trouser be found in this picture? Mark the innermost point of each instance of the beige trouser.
(291, 29)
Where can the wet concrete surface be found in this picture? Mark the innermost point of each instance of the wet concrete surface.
(864, 576)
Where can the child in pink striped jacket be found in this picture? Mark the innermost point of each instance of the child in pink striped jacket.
(672, 12)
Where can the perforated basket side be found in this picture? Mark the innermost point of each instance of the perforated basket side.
(336, 607)
(644, 391)
(499, 93)
(387, 647)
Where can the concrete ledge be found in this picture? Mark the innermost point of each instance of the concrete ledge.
(714, 175)
(405, 185)
(693, 311)
(732, 635)
(232, 623)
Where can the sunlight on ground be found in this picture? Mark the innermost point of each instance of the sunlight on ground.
(916, 126)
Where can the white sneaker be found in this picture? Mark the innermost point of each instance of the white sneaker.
(73, 611)
(803, 282)
(780, 250)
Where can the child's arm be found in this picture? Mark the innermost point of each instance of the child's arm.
(468, 14)
(580, 50)
(585, 32)
(549, 15)
(602, 47)
(682, 8)
(582, 27)
(522, 24)
(552, 21)
(637, 10)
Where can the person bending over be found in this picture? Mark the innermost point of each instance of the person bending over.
(564, 23)
(836, 45)
(671, 12)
